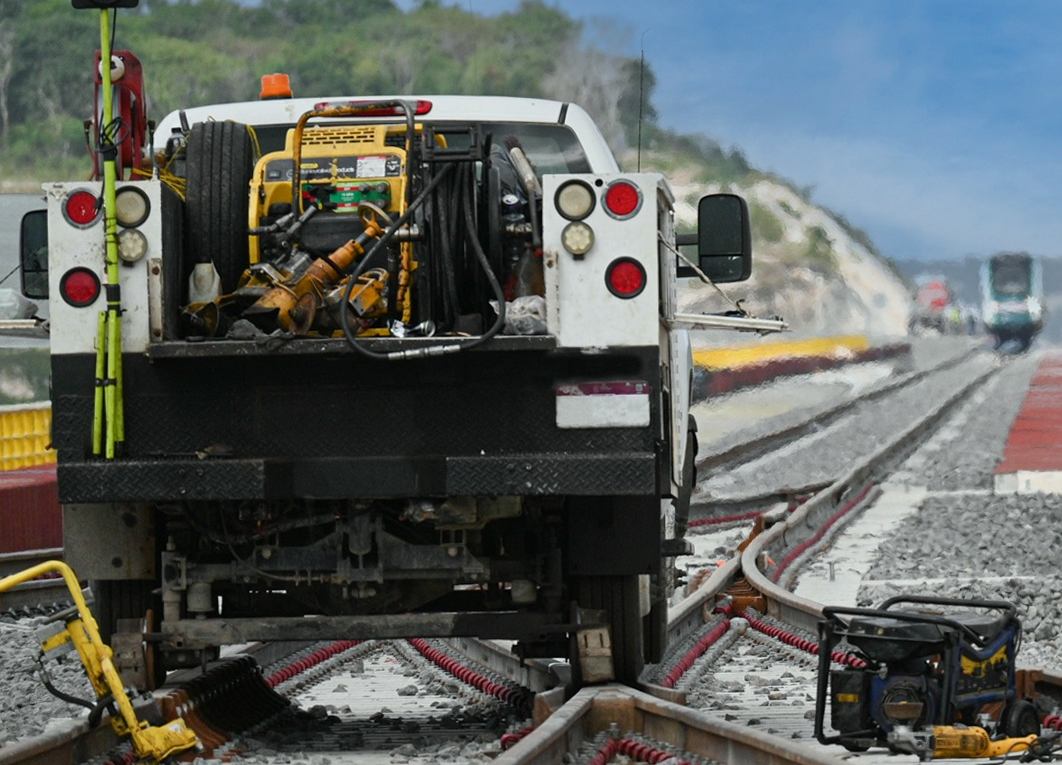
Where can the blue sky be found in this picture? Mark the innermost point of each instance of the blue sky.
(933, 124)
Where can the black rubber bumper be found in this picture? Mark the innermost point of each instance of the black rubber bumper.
(365, 477)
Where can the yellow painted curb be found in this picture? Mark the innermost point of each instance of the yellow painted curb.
(750, 355)
(25, 433)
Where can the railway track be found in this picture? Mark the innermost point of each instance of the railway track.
(36, 598)
(785, 429)
(735, 687)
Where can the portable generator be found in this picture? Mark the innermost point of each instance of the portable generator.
(439, 215)
(923, 668)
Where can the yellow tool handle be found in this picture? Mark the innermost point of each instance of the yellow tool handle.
(951, 742)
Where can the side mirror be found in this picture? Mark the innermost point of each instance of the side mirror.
(33, 254)
(723, 239)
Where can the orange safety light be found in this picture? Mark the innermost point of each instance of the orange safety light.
(277, 85)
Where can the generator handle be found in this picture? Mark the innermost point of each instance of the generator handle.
(973, 637)
(997, 605)
(349, 109)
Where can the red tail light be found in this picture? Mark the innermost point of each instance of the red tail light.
(622, 199)
(625, 278)
(80, 208)
(79, 287)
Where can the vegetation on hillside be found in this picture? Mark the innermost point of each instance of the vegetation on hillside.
(203, 51)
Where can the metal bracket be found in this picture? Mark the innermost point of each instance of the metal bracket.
(715, 321)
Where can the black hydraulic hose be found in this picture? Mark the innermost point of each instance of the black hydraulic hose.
(477, 248)
(481, 256)
(344, 319)
(98, 709)
(46, 680)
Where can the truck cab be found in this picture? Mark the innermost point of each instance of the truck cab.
(390, 367)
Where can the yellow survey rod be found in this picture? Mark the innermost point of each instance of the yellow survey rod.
(97, 399)
(152, 743)
(111, 347)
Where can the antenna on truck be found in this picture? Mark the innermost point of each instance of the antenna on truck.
(641, 97)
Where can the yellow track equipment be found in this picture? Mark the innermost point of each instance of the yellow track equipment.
(151, 743)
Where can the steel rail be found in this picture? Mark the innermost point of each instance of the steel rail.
(806, 521)
(593, 710)
(800, 525)
(747, 450)
(38, 593)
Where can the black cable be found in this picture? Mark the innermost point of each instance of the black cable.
(10, 273)
(344, 319)
(477, 249)
(46, 680)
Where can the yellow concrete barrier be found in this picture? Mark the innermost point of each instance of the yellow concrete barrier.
(748, 355)
(25, 434)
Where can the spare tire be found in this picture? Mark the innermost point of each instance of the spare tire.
(219, 161)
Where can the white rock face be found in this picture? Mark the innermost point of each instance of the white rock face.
(807, 267)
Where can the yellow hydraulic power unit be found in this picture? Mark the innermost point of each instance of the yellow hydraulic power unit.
(331, 173)
(80, 633)
(339, 168)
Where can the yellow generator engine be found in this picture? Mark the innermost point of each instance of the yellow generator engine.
(318, 189)
(341, 167)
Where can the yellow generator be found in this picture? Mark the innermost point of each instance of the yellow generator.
(358, 229)
(340, 168)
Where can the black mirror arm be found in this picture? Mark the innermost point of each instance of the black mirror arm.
(678, 253)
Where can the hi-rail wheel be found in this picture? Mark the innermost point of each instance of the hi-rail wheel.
(117, 600)
(219, 161)
(689, 480)
(618, 596)
(654, 623)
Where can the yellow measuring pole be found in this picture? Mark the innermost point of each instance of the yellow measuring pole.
(109, 343)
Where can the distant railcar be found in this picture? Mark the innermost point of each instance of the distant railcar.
(1012, 298)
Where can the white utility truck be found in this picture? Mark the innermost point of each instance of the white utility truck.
(387, 367)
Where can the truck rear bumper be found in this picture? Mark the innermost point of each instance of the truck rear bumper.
(536, 474)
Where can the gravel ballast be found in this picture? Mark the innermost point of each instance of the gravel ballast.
(965, 451)
(982, 546)
(821, 457)
(26, 707)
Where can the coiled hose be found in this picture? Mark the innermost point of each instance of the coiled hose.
(477, 249)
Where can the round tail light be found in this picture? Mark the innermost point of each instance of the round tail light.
(132, 245)
(575, 200)
(81, 208)
(131, 206)
(622, 199)
(79, 287)
(625, 278)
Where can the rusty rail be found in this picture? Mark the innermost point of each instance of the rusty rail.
(594, 710)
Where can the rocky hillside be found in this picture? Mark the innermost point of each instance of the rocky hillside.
(810, 266)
